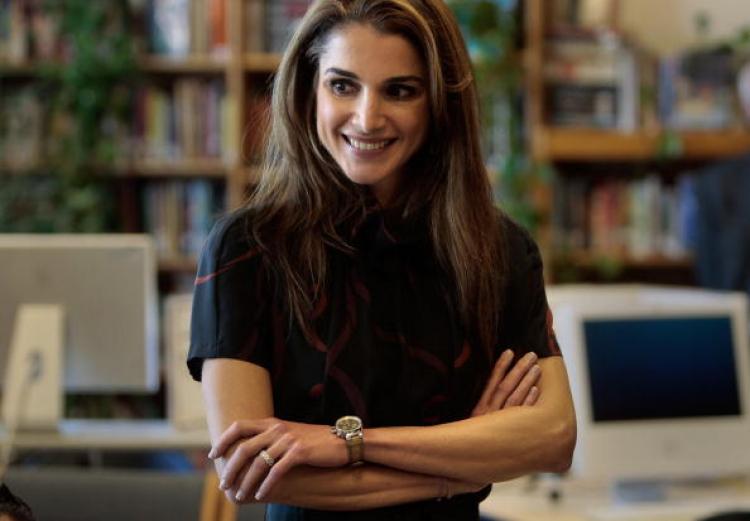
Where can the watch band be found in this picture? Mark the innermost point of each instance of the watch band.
(355, 444)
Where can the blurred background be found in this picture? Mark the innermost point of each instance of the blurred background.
(616, 131)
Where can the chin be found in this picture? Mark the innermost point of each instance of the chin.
(366, 178)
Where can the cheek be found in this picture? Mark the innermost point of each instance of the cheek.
(419, 122)
(326, 117)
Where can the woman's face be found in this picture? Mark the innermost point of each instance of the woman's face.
(372, 107)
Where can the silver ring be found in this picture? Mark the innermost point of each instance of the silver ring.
(267, 458)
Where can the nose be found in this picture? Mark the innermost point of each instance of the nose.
(369, 113)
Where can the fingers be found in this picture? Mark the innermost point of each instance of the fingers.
(245, 453)
(260, 468)
(532, 397)
(289, 459)
(512, 380)
(519, 395)
(235, 432)
(498, 372)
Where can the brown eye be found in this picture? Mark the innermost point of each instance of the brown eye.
(341, 87)
(400, 91)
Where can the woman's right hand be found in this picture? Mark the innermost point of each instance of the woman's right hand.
(510, 388)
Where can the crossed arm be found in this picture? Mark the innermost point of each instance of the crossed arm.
(500, 441)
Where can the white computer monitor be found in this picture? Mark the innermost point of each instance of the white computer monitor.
(660, 379)
(105, 286)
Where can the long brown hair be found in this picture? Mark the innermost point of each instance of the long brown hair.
(303, 197)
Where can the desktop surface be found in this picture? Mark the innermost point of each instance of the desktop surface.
(111, 435)
(590, 500)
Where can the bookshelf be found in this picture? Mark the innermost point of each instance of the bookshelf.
(230, 63)
(559, 144)
(618, 162)
(200, 64)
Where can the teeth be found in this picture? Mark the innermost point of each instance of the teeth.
(361, 145)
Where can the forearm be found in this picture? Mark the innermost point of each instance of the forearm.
(493, 447)
(358, 488)
(484, 449)
(338, 488)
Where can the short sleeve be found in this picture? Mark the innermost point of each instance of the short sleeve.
(231, 300)
(527, 323)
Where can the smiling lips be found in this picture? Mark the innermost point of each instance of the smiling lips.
(367, 146)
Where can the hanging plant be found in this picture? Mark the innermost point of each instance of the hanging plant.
(86, 96)
(491, 29)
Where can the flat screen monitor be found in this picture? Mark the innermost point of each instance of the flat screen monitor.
(660, 379)
(106, 287)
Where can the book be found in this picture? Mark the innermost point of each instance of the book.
(15, 32)
(618, 217)
(191, 118)
(179, 28)
(255, 26)
(179, 214)
(282, 18)
(592, 83)
(170, 26)
(697, 91)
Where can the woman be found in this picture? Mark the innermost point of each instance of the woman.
(370, 332)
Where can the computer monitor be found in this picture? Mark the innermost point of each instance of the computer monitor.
(660, 379)
(105, 286)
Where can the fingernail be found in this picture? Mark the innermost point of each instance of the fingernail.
(508, 353)
(531, 357)
(536, 369)
(239, 496)
(211, 454)
(259, 495)
(223, 485)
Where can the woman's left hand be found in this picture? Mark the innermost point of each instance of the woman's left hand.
(287, 443)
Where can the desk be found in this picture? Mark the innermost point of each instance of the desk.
(518, 500)
(111, 435)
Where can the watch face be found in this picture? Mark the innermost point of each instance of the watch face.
(349, 424)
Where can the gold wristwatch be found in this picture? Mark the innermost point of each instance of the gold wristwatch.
(349, 429)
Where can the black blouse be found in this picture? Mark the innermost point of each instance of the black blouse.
(387, 345)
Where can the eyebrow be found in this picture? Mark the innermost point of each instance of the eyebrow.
(347, 74)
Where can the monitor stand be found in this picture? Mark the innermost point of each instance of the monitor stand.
(32, 392)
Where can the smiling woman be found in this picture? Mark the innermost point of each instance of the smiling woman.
(371, 333)
(372, 110)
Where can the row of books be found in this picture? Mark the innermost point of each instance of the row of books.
(599, 80)
(641, 219)
(270, 23)
(591, 83)
(178, 28)
(193, 119)
(27, 32)
(190, 118)
(180, 214)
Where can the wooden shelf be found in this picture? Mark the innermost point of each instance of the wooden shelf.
(202, 168)
(261, 62)
(587, 259)
(152, 64)
(564, 144)
(198, 64)
(18, 69)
